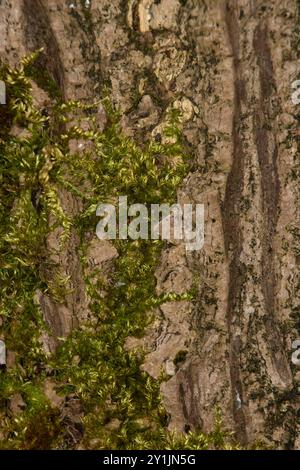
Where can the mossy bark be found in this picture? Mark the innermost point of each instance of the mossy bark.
(228, 66)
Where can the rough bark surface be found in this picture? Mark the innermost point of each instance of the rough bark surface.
(229, 65)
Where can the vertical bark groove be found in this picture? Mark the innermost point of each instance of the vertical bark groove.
(231, 219)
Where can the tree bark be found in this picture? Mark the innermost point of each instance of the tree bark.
(229, 66)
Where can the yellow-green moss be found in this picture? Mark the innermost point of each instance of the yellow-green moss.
(106, 378)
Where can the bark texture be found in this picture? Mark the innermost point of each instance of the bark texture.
(229, 66)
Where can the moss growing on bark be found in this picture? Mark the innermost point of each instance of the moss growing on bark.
(120, 403)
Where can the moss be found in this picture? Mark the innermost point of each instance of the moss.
(37, 71)
(92, 362)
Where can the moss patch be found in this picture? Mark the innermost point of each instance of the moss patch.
(120, 403)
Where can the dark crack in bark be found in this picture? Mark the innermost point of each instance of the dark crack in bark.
(39, 34)
(267, 151)
(231, 222)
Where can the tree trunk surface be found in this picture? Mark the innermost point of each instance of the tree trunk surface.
(229, 66)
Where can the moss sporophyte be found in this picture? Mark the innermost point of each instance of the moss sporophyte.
(120, 403)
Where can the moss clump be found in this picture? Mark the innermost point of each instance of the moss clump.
(120, 403)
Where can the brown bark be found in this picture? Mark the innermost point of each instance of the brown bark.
(231, 65)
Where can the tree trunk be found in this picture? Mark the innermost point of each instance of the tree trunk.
(229, 66)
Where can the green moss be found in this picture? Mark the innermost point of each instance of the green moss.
(121, 403)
